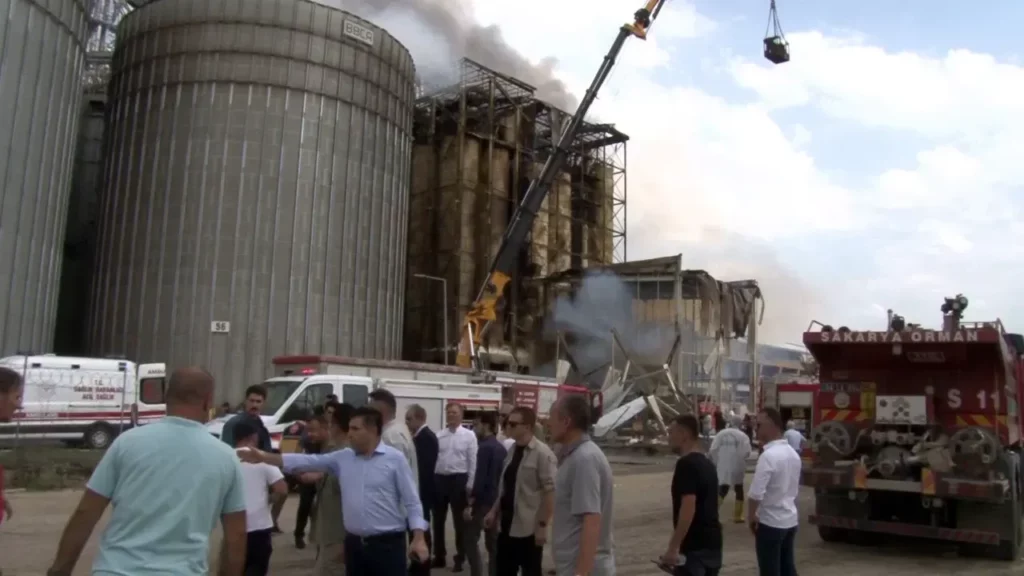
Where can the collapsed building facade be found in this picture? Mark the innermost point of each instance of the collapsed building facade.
(652, 327)
(478, 144)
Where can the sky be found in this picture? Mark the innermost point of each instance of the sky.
(875, 170)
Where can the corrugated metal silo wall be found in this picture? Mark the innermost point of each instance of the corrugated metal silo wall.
(80, 231)
(258, 174)
(42, 50)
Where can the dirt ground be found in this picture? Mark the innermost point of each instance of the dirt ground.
(642, 522)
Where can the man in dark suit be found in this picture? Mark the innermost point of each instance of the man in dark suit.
(426, 459)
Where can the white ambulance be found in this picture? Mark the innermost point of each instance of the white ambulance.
(302, 386)
(84, 401)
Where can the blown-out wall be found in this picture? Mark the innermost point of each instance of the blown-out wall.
(42, 50)
(256, 187)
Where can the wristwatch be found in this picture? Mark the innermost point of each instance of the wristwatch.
(542, 524)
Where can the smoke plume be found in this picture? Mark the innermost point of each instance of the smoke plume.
(601, 304)
(439, 33)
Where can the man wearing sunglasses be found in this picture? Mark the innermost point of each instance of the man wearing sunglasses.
(526, 498)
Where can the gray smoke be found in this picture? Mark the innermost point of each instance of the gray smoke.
(602, 303)
(439, 33)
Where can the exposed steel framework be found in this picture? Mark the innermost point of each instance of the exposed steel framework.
(478, 144)
(103, 18)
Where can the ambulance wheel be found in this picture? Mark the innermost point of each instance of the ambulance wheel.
(98, 436)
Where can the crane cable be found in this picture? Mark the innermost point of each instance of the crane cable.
(774, 27)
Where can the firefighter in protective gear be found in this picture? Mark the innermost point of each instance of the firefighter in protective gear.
(729, 451)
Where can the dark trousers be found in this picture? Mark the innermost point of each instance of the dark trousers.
(381, 555)
(258, 548)
(473, 530)
(515, 554)
(774, 548)
(417, 568)
(700, 563)
(307, 494)
(451, 493)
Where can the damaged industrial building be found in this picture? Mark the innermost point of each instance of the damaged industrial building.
(273, 185)
(477, 146)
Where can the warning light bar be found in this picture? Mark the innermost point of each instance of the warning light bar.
(307, 371)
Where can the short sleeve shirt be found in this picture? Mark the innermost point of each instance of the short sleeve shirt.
(696, 476)
(258, 480)
(583, 486)
(169, 483)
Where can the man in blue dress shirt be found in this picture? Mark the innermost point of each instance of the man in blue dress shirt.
(378, 496)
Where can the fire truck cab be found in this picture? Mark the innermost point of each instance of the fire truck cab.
(919, 434)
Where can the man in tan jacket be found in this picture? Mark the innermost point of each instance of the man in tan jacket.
(328, 524)
(526, 501)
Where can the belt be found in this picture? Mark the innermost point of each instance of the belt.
(382, 537)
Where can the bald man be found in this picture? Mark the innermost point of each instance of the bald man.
(169, 482)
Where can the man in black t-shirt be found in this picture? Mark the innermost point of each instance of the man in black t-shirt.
(695, 548)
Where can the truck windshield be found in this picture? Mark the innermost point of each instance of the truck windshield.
(278, 391)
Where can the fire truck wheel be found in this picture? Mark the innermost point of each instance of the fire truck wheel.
(98, 436)
(832, 534)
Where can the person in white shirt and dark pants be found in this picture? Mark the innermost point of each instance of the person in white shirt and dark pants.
(264, 485)
(771, 511)
(453, 479)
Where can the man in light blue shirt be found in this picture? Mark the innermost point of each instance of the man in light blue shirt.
(168, 482)
(793, 436)
(378, 496)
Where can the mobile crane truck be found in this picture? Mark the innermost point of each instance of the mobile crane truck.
(484, 309)
(919, 433)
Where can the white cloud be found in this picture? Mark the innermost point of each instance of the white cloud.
(704, 175)
(957, 206)
(723, 182)
(963, 94)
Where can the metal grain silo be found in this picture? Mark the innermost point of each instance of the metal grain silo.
(41, 50)
(256, 187)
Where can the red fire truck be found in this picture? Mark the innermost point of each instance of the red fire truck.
(919, 433)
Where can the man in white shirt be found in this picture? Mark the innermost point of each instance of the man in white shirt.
(453, 479)
(264, 484)
(395, 434)
(503, 436)
(794, 437)
(771, 511)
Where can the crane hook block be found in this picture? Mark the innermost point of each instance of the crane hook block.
(643, 18)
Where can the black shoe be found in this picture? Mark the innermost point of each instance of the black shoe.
(300, 541)
(438, 563)
(457, 567)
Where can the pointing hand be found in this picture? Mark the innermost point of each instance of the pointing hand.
(250, 455)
